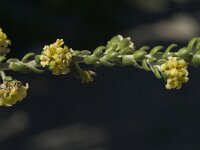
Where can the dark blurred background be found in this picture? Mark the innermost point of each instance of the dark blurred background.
(124, 108)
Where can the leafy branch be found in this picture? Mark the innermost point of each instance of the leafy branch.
(166, 63)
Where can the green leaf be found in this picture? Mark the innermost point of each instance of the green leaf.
(36, 70)
(192, 44)
(139, 54)
(144, 48)
(99, 51)
(156, 49)
(156, 72)
(195, 60)
(37, 59)
(111, 47)
(116, 39)
(145, 65)
(123, 44)
(91, 59)
(183, 52)
(20, 67)
(8, 78)
(85, 52)
(106, 63)
(167, 51)
(126, 61)
(76, 53)
(111, 55)
(27, 56)
(12, 60)
(126, 51)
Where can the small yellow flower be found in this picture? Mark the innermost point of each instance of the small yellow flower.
(11, 92)
(4, 42)
(56, 57)
(175, 72)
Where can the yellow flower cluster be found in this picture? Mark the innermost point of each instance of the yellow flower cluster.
(11, 92)
(56, 57)
(4, 42)
(175, 72)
